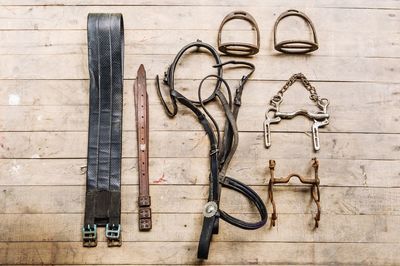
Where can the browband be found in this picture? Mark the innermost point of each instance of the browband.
(295, 46)
(239, 48)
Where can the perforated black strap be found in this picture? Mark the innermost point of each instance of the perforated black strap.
(103, 186)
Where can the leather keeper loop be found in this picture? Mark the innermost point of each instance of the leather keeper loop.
(239, 48)
(296, 46)
(144, 201)
(144, 224)
(145, 213)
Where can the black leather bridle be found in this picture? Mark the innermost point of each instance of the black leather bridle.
(221, 149)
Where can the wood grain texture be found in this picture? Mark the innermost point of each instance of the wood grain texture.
(352, 113)
(347, 119)
(44, 117)
(191, 199)
(194, 144)
(334, 228)
(194, 171)
(185, 253)
(75, 92)
(314, 67)
(363, 44)
(283, 3)
(199, 17)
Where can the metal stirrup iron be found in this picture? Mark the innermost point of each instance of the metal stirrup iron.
(296, 46)
(239, 48)
(103, 177)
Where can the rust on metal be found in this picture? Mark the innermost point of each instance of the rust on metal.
(274, 115)
(314, 182)
(239, 48)
(296, 46)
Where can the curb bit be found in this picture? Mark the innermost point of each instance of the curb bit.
(320, 118)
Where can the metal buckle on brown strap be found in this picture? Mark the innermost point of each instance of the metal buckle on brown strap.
(239, 48)
(296, 46)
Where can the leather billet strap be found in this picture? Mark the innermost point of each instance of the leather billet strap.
(221, 148)
(296, 46)
(103, 184)
(142, 129)
(239, 48)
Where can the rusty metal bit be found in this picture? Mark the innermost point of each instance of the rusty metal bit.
(314, 182)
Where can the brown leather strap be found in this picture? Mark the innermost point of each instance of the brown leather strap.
(142, 125)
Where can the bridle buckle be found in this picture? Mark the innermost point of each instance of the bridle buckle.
(113, 234)
(89, 235)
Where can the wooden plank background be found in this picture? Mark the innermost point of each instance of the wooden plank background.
(44, 118)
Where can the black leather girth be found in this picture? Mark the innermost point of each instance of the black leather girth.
(103, 185)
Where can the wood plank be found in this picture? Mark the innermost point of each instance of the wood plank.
(180, 264)
(75, 92)
(187, 227)
(185, 253)
(54, 42)
(36, 92)
(352, 113)
(194, 171)
(314, 67)
(173, 144)
(201, 17)
(191, 199)
(75, 118)
(281, 3)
